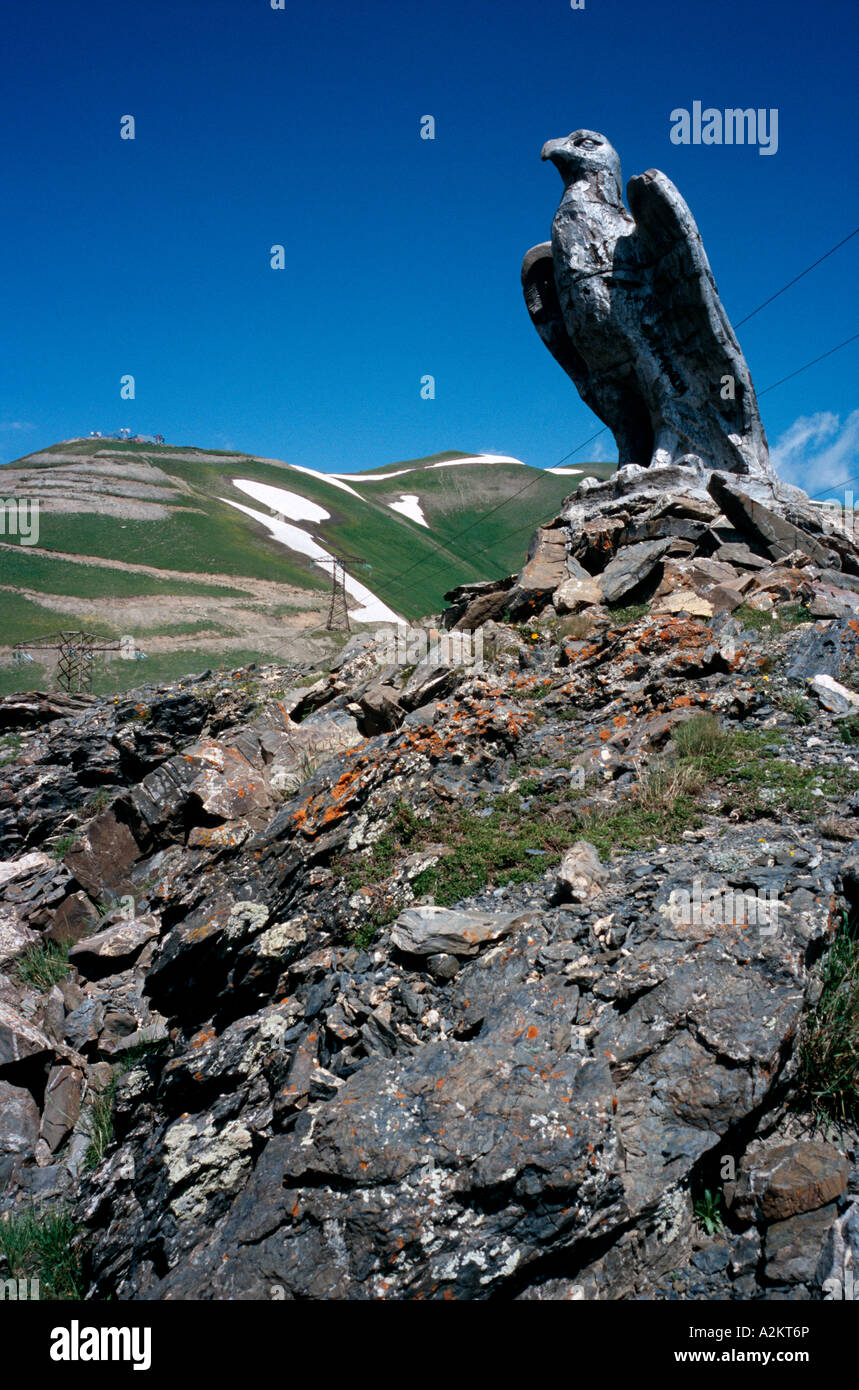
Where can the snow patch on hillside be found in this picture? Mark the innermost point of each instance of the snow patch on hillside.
(335, 479)
(410, 505)
(372, 609)
(425, 468)
(288, 504)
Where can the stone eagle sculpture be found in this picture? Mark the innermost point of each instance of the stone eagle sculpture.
(627, 304)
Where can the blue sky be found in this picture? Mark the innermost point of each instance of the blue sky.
(301, 127)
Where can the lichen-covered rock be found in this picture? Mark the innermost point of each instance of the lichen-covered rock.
(471, 1006)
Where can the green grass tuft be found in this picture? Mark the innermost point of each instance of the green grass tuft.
(774, 621)
(61, 847)
(44, 964)
(630, 613)
(37, 1244)
(797, 706)
(829, 1044)
(99, 1123)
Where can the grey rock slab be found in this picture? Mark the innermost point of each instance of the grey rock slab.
(824, 648)
(430, 931)
(831, 602)
(544, 570)
(115, 948)
(84, 1024)
(683, 530)
(20, 1038)
(793, 1248)
(581, 875)
(482, 609)
(834, 696)
(788, 1179)
(74, 917)
(768, 526)
(15, 938)
(24, 866)
(104, 855)
(62, 1106)
(840, 579)
(454, 1167)
(306, 746)
(473, 604)
(734, 553)
(381, 709)
(837, 1268)
(633, 567)
(19, 1120)
(724, 598)
(574, 594)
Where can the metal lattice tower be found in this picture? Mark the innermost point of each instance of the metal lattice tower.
(74, 662)
(75, 652)
(338, 612)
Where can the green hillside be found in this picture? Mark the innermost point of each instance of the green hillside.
(152, 541)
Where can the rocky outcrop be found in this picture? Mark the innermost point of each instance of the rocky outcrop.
(683, 539)
(449, 982)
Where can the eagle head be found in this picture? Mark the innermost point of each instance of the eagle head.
(585, 154)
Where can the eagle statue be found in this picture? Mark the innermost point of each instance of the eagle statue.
(626, 302)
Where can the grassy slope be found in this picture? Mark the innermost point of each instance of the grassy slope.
(21, 569)
(405, 564)
(481, 518)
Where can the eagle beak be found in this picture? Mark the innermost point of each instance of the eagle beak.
(551, 148)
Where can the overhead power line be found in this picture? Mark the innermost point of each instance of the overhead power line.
(836, 487)
(812, 363)
(825, 255)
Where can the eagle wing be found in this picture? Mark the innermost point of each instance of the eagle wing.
(694, 332)
(682, 281)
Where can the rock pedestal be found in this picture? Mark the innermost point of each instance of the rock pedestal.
(684, 539)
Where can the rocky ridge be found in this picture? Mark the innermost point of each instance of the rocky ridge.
(430, 982)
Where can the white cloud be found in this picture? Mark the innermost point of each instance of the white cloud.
(818, 452)
(16, 425)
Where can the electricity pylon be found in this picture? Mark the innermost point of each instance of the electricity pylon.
(75, 652)
(338, 611)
